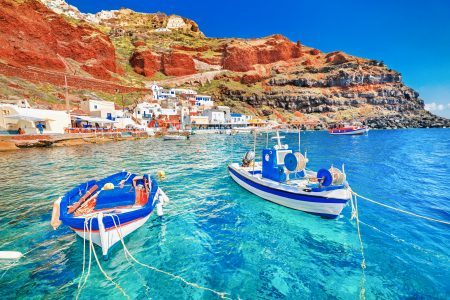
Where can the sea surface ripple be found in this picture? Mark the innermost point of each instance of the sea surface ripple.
(217, 235)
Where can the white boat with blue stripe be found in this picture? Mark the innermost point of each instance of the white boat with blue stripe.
(282, 178)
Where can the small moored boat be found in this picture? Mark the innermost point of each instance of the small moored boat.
(282, 178)
(105, 211)
(347, 129)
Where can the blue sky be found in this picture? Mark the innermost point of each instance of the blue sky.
(412, 37)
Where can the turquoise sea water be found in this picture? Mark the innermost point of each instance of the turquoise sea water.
(216, 234)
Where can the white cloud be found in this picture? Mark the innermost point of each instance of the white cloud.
(433, 106)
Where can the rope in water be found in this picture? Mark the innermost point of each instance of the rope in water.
(355, 215)
(400, 210)
(92, 250)
(222, 295)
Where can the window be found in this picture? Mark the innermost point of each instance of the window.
(95, 106)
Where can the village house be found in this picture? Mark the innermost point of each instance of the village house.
(13, 118)
(204, 100)
(215, 116)
(19, 102)
(240, 120)
(199, 121)
(100, 108)
(145, 112)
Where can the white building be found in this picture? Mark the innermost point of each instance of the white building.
(240, 119)
(13, 117)
(19, 102)
(175, 22)
(144, 112)
(204, 100)
(99, 108)
(215, 116)
(159, 93)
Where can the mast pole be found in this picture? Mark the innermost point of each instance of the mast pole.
(254, 150)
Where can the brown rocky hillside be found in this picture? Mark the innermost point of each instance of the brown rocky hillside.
(270, 76)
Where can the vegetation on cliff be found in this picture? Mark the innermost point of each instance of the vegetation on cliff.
(271, 76)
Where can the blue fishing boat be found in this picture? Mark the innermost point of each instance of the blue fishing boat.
(105, 211)
(282, 178)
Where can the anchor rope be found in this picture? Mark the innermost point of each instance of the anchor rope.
(81, 285)
(147, 288)
(221, 295)
(355, 215)
(399, 210)
(92, 250)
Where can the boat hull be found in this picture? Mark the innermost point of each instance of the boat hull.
(311, 202)
(110, 236)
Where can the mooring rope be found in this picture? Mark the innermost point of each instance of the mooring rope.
(92, 250)
(400, 210)
(81, 285)
(222, 295)
(147, 288)
(355, 215)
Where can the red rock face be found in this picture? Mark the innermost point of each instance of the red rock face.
(146, 63)
(243, 57)
(178, 64)
(32, 35)
(251, 78)
(336, 58)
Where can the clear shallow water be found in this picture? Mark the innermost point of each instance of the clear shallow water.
(216, 234)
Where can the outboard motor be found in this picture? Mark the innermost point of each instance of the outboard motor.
(247, 161)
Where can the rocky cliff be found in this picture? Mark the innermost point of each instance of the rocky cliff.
(271, 76)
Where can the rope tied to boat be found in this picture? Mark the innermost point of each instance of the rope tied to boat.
(355, 216)
(400, 210)
(221, 295)
(92, 250)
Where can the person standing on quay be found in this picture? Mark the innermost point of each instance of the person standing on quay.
(40, 128)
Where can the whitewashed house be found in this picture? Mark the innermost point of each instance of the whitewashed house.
(204, 100)
(144, 112)
(19, 102)
(99, 108)
(215, 116)
(13, 117)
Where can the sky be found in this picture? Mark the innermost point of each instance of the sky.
(412, 37)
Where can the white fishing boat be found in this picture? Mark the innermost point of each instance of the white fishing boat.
(282, 178)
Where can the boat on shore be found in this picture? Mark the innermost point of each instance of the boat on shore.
(282, 178)
(105, 211)
(348, 129)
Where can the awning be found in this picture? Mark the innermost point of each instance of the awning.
(28, 118)
(94, 120)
